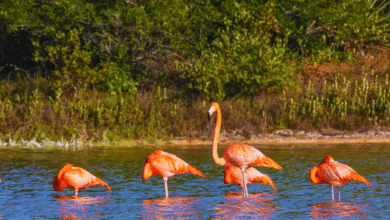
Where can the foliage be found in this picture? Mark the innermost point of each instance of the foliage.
(329, 30)
(77, 68)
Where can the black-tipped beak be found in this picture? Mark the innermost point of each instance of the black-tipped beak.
(208, 116)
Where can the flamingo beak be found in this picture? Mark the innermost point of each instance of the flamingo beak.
(210, 113)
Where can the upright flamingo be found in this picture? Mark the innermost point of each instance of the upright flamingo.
(335, 174)
(76, 178)
(166, 165)
(239, 155)
(233, 175)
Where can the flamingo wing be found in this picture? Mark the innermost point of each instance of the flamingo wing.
(242, 155)
(76, 178)
(166, 165)
(335, 173)
(348, 174)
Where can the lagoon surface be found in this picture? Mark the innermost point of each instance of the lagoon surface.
(26, 191)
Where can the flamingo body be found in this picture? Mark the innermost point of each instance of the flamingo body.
(242, 155)
(334, 173)
(239, 155)
(76, 178)
(233, 175)
(164, 164)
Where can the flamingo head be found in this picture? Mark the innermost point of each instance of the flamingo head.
(59, 184)
(214, 107)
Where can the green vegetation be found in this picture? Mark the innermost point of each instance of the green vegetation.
(126, 69)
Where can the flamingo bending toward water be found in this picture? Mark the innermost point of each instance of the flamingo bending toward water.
(239, 155)
(76, 178)
(335, 174)
(166, 165)
(233, 175)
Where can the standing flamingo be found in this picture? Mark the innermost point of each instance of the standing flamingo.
(76, 178)
(335, 174)
(233, 175)
(239, 155)
(166, 165)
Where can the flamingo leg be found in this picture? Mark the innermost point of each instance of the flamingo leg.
(166, 186)
(245, 189)
(332, 193)
(339, 192)
(75, 191)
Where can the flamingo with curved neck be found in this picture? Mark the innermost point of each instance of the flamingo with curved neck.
(239, 155)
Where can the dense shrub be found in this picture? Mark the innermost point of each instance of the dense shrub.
(77, 68)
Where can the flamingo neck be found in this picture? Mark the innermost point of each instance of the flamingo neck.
(313, 176)
(217, 160)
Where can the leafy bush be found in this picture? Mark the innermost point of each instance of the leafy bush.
(329, 29)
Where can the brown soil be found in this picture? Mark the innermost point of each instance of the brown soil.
(270, 140)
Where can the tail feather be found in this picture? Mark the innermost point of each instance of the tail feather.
(266, 162)
(358, 177)
(265, 180)
(193, 170)
(102, 183)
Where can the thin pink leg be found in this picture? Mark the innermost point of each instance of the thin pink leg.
(339, 193)
(166, 186)
(245, 192)
(332, 193)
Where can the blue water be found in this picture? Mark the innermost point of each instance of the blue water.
(26, 191)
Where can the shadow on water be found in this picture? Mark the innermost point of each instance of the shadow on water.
(235, 207)
(335, 209)
(176, 207)
(73, 207)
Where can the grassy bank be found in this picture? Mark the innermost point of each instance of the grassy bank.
(330, 99)
(104, 72)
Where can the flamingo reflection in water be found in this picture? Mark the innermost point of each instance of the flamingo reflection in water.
(335, 210)
(172, 207)
(73, 206)
(255, 207)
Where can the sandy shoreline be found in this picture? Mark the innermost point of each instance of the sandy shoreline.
(269, 140)
(285, 137)
(285, 141)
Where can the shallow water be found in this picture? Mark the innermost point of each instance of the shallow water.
(26, 191)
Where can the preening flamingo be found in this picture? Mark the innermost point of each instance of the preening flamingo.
(239, 155)
(166, 165)
(335, 174)
(233, 175)
(76, 178)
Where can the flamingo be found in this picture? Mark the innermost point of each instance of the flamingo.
(335, 174)
(76, 178)
(166, 165)
(233, 175)
(239, 155)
